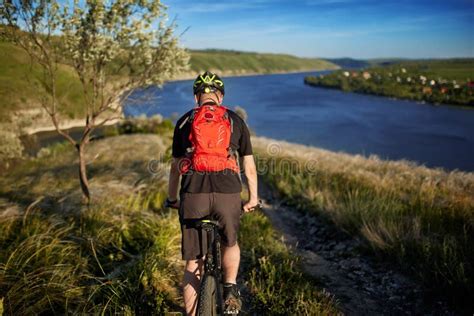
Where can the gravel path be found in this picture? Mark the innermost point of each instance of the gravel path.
(361, 284)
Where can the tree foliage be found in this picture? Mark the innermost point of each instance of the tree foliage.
(113, 47)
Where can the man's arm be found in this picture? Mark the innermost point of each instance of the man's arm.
(174, 181)
(251, 175)
(178, 151)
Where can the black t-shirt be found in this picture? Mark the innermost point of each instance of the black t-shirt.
(226, 181)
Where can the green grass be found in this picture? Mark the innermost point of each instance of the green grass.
(246, 62)
(419, 218)
(20, 88)
(120, 261)
(459, 69)
(120, 256)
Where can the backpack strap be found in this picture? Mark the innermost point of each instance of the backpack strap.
(189, 118)
(184, 122)
(233, 152)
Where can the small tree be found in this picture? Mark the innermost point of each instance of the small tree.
(113, 47)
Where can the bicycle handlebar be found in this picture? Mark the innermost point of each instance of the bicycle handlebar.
(257, 207)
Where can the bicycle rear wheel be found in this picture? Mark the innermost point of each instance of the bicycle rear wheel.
(207, 304)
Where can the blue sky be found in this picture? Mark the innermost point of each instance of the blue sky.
(329, 28)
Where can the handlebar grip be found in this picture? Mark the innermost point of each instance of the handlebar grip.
(258, 207)
(167, 204)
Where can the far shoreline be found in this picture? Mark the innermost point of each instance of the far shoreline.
(224, 74)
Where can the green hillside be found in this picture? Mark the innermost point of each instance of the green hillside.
(247, 62)
(20, 88)
(448, 81)
(19, 85)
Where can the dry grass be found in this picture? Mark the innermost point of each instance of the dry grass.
(120, 256)
(420, 217)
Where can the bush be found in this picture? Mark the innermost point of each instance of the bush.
(143, 125)
(10, 145)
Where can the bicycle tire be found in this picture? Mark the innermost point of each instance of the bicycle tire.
(207, 304)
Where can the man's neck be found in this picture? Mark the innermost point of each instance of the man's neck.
(209, 103)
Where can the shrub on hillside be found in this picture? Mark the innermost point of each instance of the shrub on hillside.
(144, 125)
(10, 145)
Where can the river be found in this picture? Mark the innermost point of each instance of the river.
(283, 107)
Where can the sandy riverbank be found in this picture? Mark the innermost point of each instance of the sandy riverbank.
(64, 125)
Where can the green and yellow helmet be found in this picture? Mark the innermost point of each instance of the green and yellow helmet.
(208, 79)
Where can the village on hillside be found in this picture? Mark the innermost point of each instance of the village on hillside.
(402, 82)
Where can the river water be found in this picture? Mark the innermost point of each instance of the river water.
(283, 107)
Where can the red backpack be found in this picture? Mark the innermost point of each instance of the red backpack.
(211, 130)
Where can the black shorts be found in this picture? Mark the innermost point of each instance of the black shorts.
(224, 207)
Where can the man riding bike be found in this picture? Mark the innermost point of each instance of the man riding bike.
(209, 143)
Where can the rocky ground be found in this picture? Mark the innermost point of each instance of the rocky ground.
(360, 283)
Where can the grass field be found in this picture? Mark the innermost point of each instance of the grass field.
(121, 256)
(244, 62)
(21, 90)
(460, 69)
(419, 218)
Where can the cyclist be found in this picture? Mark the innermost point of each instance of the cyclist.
(214, 189)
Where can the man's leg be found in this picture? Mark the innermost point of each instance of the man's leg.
(227, 208)
(230, 263)
(191, 281)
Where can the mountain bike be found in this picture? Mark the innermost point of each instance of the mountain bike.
(210, 300)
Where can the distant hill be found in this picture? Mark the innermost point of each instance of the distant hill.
(19, 84)
(351, 63)
(348, 63)
(236, 62)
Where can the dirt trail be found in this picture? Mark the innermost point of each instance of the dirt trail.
(360, 284)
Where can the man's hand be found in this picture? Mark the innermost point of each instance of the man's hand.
(250, 206)
(175, 204)
(251, 175)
